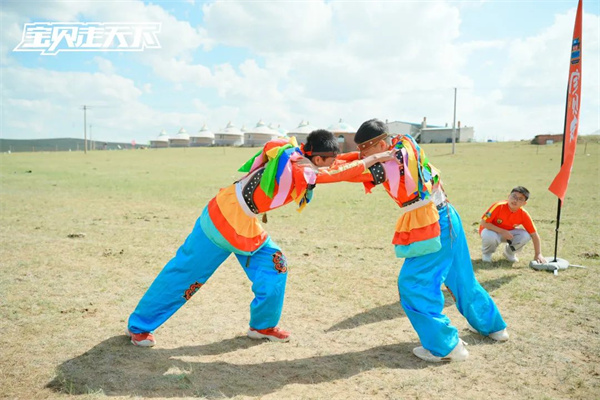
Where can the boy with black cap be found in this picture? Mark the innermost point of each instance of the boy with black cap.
(430, 236)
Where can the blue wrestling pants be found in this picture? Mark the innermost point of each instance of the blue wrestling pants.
(194, 263)
(421, 296)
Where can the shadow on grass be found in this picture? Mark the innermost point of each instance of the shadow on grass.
(394, 310)
(500, 264)
(116, 368)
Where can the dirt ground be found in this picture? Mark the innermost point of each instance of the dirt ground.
(83, 238)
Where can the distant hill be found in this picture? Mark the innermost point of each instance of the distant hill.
(61, 144)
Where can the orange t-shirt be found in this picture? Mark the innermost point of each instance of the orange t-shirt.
(499, 214)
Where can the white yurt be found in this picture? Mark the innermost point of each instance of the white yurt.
(302, 131)
(182, 139)
(344, 134)
(281, 131)
(204, 137)
(259, 135)
(161, 141)
(229, 136)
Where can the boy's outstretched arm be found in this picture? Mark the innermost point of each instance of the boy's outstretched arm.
(537, 248)
(353, 171)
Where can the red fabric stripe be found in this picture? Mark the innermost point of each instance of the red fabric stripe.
(417, 235)
(229, 233)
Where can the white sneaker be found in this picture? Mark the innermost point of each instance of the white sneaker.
(509, 255)
(459, 353)
(500, 336)
(486, 257)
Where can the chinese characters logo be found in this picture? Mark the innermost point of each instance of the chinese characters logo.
(49, 38)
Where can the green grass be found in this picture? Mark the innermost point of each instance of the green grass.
(58, 144)
(64, 301)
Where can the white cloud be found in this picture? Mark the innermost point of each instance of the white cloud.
(104, 65)
(534, 80)
(177, 38)
(330, 45)
(265, 28)
(11, 31)
(50, 101)
(332, 55)
(180, 71)
(58, 11)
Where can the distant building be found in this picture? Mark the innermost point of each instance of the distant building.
(161, 141)
(344, 134)
(181, 139)
(424, 133)
(547, 139)
(405, 128)
(259, 135)
(203, 138)
(302, 131)
(444, 134)
(229, 136)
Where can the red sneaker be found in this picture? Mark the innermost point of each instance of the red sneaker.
(144, 339)
(273, 334)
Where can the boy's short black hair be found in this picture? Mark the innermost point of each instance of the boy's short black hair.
(522, 190)
(321, 142)
(370, 129)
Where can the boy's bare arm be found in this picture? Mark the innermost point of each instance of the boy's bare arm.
(537, 248)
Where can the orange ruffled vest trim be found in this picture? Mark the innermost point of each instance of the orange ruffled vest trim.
(417, 225)
(241, 231)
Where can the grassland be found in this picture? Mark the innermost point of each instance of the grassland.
(83, 236)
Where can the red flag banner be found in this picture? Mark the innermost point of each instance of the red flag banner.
(561, 181)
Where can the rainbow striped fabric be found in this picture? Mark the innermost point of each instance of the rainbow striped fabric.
(277, 157)
(417, 229)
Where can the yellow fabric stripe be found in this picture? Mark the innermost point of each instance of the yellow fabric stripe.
(412, 160)
(244, 225)
(418, 218)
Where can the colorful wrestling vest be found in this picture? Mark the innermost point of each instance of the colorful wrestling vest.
(272, 166)
(414, 185)
(274, 179)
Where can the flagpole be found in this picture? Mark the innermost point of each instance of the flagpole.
(572, 116)
(562, 160)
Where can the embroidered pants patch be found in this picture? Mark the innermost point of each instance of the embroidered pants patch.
(194, 287)
(280, 262)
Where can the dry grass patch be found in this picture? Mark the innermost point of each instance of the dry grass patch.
(82, 237)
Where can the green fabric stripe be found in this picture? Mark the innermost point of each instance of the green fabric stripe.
(267, 182)
(246, 167)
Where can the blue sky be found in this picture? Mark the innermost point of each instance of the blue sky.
(288, 61)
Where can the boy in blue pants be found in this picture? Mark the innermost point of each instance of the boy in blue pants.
(430, 236)
(277, 175)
